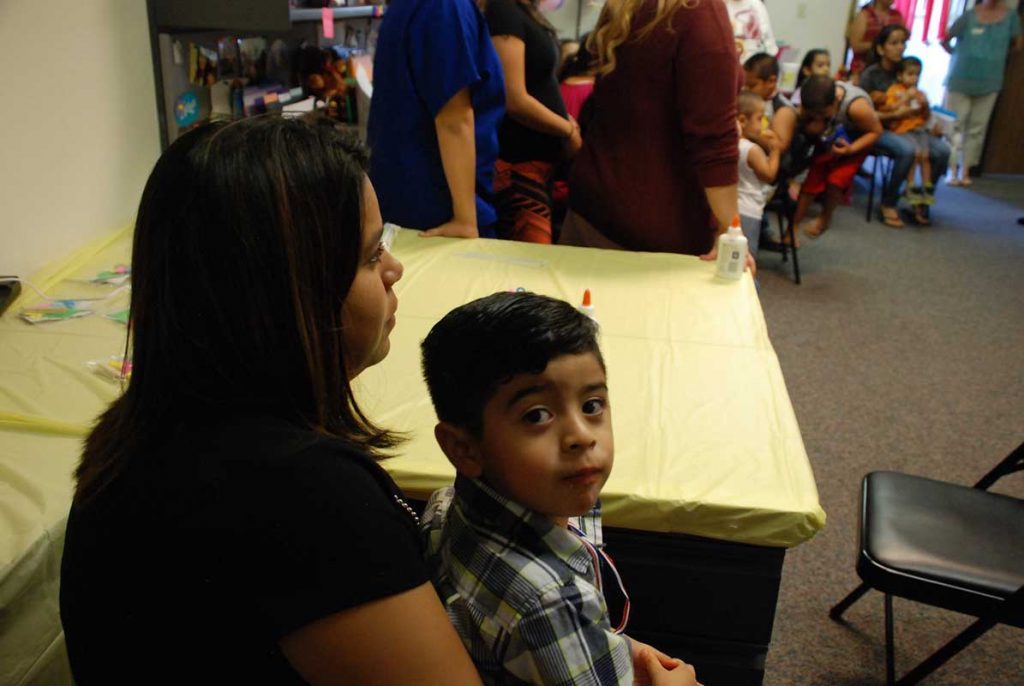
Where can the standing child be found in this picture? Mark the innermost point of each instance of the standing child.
(758, 170)
(909, 107)
(519, 386)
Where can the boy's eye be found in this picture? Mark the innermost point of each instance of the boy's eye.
(594, 406)
(537, 415)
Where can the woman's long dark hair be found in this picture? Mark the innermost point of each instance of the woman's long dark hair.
(247, 240)
(882, 37)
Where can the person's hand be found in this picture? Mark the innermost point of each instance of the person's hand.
(653, 668)
(712, 255)
(841, 147)
(452, 229)
(770, 139)
(574, 142)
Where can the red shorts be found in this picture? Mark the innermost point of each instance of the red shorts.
(829, 170)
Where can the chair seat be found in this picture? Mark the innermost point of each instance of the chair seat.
(944, 544)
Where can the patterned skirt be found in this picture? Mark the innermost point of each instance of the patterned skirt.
(522, 197)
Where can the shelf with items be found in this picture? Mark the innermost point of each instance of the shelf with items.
(210, 62)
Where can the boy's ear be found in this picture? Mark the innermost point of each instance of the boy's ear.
(461, 448)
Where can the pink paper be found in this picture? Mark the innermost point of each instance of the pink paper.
(327, 16)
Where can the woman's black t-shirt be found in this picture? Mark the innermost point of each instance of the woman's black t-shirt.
(194, 563)
(518, 143)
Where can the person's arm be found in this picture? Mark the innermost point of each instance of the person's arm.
(765, 166)
(955, 31)
(855, 34)
(456, 140)
(365, 645)
(863, 117)
(523, 107)
(562, 633)
(784, 126)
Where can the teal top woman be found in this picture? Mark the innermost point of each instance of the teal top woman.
(983, 34)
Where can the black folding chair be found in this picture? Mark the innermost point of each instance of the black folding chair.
(946, 545)
(784, 208)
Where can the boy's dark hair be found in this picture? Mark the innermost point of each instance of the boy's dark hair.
(817, 93)
(807, 63)
(762, 65)
(747, 102)
(481, 345)
(908, 62)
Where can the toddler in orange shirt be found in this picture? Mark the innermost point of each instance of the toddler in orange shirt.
(905, 97)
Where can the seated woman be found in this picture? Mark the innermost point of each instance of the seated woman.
(861, 32)
(230, 522)
(890, 44)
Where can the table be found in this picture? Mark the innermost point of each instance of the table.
(711, 482)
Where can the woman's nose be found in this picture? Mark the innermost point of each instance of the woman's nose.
(393, 269)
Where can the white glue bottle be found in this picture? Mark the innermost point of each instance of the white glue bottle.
(732, 251)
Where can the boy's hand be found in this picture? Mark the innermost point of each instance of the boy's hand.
(771, 139)
(841, 147)
(653, 668)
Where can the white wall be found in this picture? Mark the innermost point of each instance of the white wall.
(807, 24)
(78, 126)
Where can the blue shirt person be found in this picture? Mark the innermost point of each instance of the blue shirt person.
(428, 52)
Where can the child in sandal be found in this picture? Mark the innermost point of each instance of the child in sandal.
(903, 98)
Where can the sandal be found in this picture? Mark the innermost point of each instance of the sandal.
(891, 218)
(955, 182)
(921, 215)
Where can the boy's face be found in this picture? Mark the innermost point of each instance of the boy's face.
(750, 124)
(910, 76)
(763, 87)
(547, 438)
(816, 123)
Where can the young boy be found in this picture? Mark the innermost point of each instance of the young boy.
(761, 76)
(518, 383)
(910, 111)
(758, 170)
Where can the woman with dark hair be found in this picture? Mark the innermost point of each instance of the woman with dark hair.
(537, 132)
(861, 33)
(890, 45)
(230, 523)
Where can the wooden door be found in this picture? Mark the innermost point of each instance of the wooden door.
(1004, 145)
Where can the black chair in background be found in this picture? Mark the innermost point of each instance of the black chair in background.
(946, 545)
(784, 207)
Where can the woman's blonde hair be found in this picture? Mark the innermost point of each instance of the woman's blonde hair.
(616, 22)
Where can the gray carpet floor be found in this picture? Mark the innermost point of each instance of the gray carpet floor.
(903, 350)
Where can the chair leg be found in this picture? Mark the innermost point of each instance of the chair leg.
(943, 654)
(843, 605)
(890, 648)
(1014, 462)
(871, 189)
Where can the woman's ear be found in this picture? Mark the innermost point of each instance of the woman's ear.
(461, 448)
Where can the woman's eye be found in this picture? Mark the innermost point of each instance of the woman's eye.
(594, 406)
(537, 415)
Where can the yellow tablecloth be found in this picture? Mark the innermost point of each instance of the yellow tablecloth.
(706, 439)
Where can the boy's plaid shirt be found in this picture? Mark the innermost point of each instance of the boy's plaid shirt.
(520, 591)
